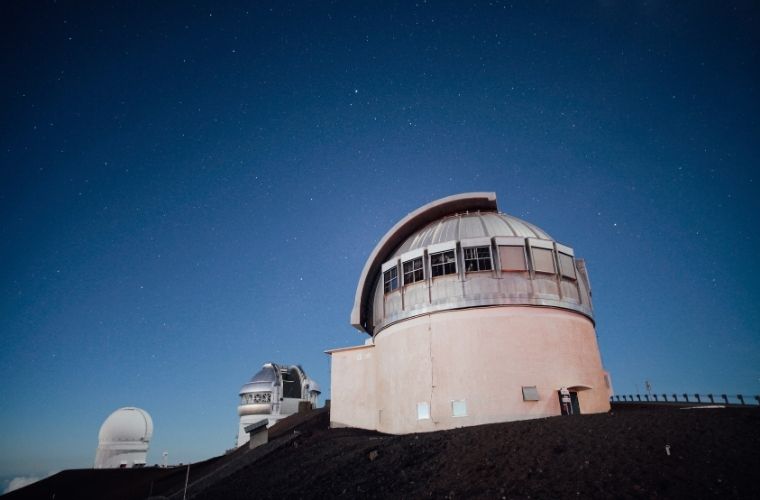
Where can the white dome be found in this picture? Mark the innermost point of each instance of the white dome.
(126, 424)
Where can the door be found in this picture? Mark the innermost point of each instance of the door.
(574, 403)
(574, 408)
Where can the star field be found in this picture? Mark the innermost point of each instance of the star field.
(189, 191)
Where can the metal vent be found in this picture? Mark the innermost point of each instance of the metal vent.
(530, 393)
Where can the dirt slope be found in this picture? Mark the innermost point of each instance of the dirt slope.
(713, 453)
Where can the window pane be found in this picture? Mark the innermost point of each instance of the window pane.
(566, 265)
(423, 411)
(543, 260)
(443, 263)
(458, 408)
(413, 271)
(477, 259)
(512, 258)
(390, 278)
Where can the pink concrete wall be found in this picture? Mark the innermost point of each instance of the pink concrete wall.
(482, 356)
(353, 388)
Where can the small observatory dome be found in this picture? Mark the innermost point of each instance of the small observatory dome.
(272, 394)
(124, 438)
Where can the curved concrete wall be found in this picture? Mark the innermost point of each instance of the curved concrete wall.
(482, 356)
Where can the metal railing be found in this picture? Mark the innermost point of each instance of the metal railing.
(724, 399)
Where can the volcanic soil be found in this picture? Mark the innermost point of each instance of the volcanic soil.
(644, 452)
(628, 453)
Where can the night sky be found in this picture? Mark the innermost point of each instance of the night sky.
(187, 192)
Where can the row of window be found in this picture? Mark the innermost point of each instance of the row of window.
(256, 397)
(477, 259)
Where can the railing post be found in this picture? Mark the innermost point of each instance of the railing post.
(638, 396)
(655, 397)
(646, 396)
(740, 398)
(686, 397)
(696, 396)
(757, 398)
(725, 398)
(712, 400)
(675, 398)
(617, 397)
(665, 397)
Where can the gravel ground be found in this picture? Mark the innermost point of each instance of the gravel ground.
(662, 452)
(628, 453)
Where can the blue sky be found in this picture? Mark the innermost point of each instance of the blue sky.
(188, 192)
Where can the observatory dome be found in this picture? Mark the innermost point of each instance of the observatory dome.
(127, 424)
(476, 317)
(460, 226)
(124, 438)
(274, 393)
(461, 252)
(264, 380)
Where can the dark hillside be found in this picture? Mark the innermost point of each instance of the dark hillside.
(714, 453)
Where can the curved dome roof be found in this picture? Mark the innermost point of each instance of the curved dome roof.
(466, 225)
(263, 381)
(126, 424)
(471, 219)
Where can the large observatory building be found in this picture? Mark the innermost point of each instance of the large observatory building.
(474, 317)
(123, 439)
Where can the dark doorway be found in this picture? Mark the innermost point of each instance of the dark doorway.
(291, 384)
(574, 402)
(575, 407)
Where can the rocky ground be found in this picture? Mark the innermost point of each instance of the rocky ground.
(624, 454)
(644, 452)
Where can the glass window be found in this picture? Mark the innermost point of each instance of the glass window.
(413, 271)
(543, 260)
(530, 393)
(423, 411)
(512, 258)
(566, 265)
(477, 259)
(459, 408)
(256, 398)
(443, 263)
(390, 277)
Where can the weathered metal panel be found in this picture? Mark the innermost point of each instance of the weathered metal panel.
(446, 289)
(471, 227)
(545, 286)
(570, 291)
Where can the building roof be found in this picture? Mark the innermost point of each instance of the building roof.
(264, 380)
(459, 217)
(468, 225)
(128, 424)
(403, 229)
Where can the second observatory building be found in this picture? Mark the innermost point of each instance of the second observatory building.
(473, 316)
